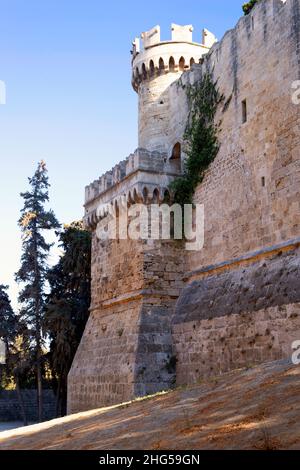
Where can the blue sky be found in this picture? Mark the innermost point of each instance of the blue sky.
(66, 65)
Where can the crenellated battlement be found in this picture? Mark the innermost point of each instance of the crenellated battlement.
(158, 57)
(143, 177)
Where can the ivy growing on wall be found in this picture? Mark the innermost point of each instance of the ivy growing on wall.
(201, 137)
(247, 7)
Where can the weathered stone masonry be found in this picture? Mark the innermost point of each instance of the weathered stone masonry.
(127, 346)
(237, 301)
(10, 409)
(239, 314)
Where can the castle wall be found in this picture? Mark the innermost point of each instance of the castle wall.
(235, 302)
(250, 194)
(238, 315)
(127, 347)
(102, 371)
(209, 348)
(257, 65)
(10, 409)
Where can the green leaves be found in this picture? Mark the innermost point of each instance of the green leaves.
(247, 7)
(7, 316)
(201, 138)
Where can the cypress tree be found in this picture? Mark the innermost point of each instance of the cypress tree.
(35, 220)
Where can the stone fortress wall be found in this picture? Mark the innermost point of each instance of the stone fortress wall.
(237, 301)
(249, 267)
(127, 347)
(10, 409)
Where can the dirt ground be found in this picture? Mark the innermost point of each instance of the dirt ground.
(258, 408)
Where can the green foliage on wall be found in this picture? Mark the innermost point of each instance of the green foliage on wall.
(247, 7)
(201, 138)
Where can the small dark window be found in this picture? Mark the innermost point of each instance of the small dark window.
(161, 65)
(152, 68)
(244, 111)
(172, 64)
(156, 196)
(145, 194)
(263, 181)
(181, 64)
(176, 152)
(144, 71)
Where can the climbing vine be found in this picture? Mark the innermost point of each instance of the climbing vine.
(201, 137)
(247, 7)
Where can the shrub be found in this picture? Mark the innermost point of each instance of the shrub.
(247, 7)
(201, 138)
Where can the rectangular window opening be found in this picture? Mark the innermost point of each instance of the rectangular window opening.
(244, 111)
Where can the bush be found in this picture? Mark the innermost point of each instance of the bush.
(247, 7)
(201, 138)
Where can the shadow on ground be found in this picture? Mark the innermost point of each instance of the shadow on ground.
(258, 408)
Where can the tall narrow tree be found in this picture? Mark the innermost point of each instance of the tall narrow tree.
(34, 221)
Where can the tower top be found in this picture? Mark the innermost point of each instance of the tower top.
(157, 57)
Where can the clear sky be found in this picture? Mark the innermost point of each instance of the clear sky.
(66, 65)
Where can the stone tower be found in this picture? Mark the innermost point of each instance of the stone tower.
(154, 69)
(127, 349)
(236, 302)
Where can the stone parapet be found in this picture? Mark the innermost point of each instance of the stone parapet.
(176, 55)
(143, 177)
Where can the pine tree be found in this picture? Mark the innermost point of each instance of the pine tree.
(67, 308)
(34, 221)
